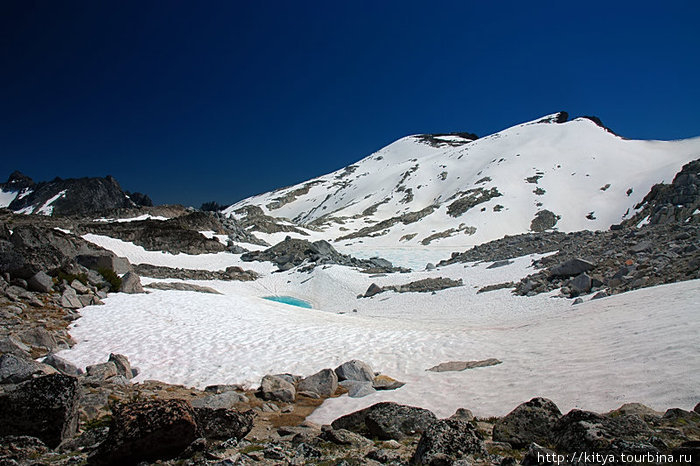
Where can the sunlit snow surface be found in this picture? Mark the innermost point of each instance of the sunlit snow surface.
(639, 346)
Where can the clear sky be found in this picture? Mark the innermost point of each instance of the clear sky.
(219, 100)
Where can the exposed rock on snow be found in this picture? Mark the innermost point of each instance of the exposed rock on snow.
(454, 366)
(530, 422)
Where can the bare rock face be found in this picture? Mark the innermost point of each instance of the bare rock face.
(530, 422)
(147, 431)
(45, 408)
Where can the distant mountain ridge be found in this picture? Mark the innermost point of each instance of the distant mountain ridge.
(457, 190)
(73, 196)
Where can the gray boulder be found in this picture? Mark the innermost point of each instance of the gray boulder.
(224, 423)
(147, 431)
(324, 382)
(386, 421)
(122, 364)
(384, 382)
(131, 283)
(530, 422)
(40, 282)
(446, 441)
(570, 268)
(78, 286)
(357, 389)
(345, 437)
(14, 369)
(355, 370)
(39, 337)
(102, 371)
(580, 284)
(12, 345)
(97, 261)
(70, 300)
(63, 366)
(225, 400)
(45, 408)
(273, 387)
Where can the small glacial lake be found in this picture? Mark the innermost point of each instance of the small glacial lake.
(290, 300)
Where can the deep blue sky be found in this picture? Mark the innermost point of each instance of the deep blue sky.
(219, 100)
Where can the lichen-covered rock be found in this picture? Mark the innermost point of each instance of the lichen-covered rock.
(530, 422)
(16, 369)
(45, 408)
(446, 441)
(147, 431)
(386, 421)
(588, 431)
(223, 423)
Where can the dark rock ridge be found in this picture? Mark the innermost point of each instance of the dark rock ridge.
(229, 274)
(294, 252)
(176, 235)
(79, 196)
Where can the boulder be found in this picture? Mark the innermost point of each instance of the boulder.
(70, 300)
(220, 400)
(131, 283)
(355, 370)
(386, 421)
(40, 282)
(463, 414)
(324, 382)
(10, 344)
(570, 268)
(357, 389)
(580, 284)
(147, 431)
(45, 408)
(102, 371)
(345, 437)
(373, 290)
(97, 261)
(122, 364)
(39, 337)
(644, 412)
(446, 441)
(223, 423)
(588, 431)
(273, 387)
(23, 449)
(530, 422)
(384, 382)
(79, 287)
(63, 366)
(14, 369)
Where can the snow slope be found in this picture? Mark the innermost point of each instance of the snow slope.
(578, 170)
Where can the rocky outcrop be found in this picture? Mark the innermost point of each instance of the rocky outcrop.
(454, 366)
(231, 273)
(74, 196)
(293, 252)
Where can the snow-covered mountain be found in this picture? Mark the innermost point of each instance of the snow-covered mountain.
(66, 197)
(460, 190)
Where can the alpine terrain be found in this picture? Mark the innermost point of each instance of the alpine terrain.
(525, 297)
